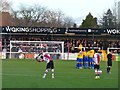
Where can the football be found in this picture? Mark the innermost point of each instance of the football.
(21, 56)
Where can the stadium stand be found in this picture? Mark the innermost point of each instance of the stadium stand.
(74, 37)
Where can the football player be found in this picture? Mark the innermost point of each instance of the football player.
(91, 63)
(79, 60)
(96, 59)
(85, 59)
(109, 62)
(50, 64)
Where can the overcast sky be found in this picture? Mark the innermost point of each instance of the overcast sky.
(77, 9)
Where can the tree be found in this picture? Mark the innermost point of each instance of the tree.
(5, 6)
(74, 25)
(28, 16)
(57, 19)
(108, 20)
(89, 22)
(118, 25)
(41, 16)
(52, 18)
(68, 22)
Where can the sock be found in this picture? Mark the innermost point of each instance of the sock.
(80, 65)
(77, 65)
(91, 65)
(53, 73)
(98, 74)
(45, 73)
(108, 69)
(85, 65)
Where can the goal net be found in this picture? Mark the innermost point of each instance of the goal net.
(30, 49)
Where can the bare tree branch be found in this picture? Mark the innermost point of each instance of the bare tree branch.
(5, 6)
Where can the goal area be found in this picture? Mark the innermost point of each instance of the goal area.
(30, 49)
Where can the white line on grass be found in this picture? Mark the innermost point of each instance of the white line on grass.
(21, 71)
(39, 76)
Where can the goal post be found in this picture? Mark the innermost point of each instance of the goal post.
(30, 49)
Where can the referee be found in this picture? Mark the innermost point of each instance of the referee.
(109, 62)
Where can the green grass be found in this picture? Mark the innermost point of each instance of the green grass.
(28, 74)
(118, 58)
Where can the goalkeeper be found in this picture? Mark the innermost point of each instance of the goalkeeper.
(109, 62)
(50, 64)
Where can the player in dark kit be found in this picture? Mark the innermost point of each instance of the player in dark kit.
(109, 62)
(50, 64)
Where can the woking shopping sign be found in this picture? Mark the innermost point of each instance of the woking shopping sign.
(9, 29)
(52, 30)
(113, 31)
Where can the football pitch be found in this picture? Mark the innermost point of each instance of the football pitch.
(28, 73)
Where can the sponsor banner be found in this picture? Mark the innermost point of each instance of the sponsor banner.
(40, 30)
(70, 56)
(52, 30)
(29, 55)
(76, 30)
(2, 55)
(113, 31)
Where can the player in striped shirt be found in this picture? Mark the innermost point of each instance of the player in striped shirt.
(50, 64)
(96, 59)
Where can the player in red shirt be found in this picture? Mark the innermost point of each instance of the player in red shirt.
(50, 64)
(96, 60)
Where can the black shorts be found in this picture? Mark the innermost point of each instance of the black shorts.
(50, 65)
(109, 63)
(96, 66)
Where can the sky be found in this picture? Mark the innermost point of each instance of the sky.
(77, 9)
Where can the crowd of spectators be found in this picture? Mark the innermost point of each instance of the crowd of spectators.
(68, 42)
